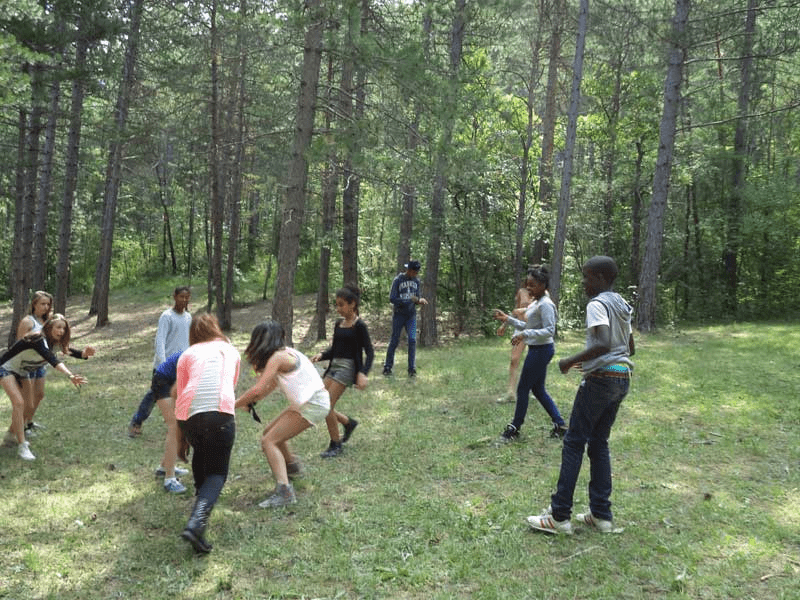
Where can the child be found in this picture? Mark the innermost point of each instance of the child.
(347, 365)
(606, 368)
(405, 296)
(536, 332)
(521, 301)
(309, 402)
(18, 362)
(33, 387)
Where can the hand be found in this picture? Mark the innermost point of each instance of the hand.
(564, 365)
(501, 331)
(87, 352)
(422, 301)
(316, 357)
(78, 380)
(500, 315)
(516, 339)
(361, 381)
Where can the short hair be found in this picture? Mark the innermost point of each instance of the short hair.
(180, 289)
(265, 340)
(47, 331)
(350, 294)
(604, 265)
(38, 295)
(204, 328)
(541, 274)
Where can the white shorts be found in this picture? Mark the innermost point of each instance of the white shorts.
(317, 408)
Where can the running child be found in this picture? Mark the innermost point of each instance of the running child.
(521, 301)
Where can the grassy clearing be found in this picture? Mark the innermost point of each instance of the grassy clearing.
(422, 504)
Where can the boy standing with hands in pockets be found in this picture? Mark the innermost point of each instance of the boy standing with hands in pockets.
(606, 367)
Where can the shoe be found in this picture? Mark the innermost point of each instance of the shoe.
(348, 429)
(294, 469)
(546, 522)
(161, 472)
(196, 527)
(34, 425)
(558, 432)
(30, 433)
(173, 486)
(10, 440)
(412, 372)
(600, 525)
(387, 371)
(334, 449)
(134, 430)
(24, 451)
(508, 398)
(510, 434)
(282, 496)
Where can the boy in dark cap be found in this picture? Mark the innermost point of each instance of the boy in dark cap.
(405, 296)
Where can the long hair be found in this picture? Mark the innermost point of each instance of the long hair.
(266, 339)
(204, 328)
(47, 332)
(38, 295)
(350, 294)
(541, 274)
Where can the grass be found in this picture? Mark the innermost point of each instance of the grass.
(422, 504)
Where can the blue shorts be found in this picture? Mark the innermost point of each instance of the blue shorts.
(39, 373)
(6, 373)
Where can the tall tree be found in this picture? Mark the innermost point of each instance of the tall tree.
(565, 197)
(295, 199)
(648, 280)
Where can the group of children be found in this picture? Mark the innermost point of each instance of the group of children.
(197, 387)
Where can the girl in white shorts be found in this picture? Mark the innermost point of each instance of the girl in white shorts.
(309, 402)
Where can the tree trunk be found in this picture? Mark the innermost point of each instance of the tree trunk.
(559, 239)
(99, 305)
(646, 317)
(217, 200)
(70, 178)
(295, 199)
(429, 335)
(23, 233)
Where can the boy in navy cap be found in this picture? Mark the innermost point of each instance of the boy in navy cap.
(405, 296)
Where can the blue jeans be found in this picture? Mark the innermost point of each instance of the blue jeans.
(531, 379)
(593, 414)
(409, 323)
(160, 387)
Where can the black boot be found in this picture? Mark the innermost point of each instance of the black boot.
(334, 449)
(196, 527)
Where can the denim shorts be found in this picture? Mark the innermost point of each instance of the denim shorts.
(5, 373)
(39, 373)
(342, 370)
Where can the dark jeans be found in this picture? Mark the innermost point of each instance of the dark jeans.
(409, 323)
(159, 388)
(593, 414)
(211, 435)
(531, 379)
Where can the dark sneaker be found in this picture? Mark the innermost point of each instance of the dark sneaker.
(412, 372)
(282, 496)
(334, 449)
(558, 432)
(134, 430)
(348, 429)
(510, 434)
(294, 469)
(387, 371)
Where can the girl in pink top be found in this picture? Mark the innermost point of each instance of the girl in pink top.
(309, 402)
(204, 394)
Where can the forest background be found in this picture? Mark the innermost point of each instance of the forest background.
(272, 148)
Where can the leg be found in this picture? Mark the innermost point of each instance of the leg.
(524, 389)
(335, 390)
(397, 328)
(544, 355)
(411, 332)
(285, 426)
(516, 358)
(15, 395)
(167, 409)
(145, 406)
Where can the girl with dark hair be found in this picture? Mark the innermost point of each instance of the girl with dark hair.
(32, 352)
(537, 331)
(347, 364)
(33, 387)
(309, 403)
(207, 373)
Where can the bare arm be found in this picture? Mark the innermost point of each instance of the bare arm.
(603, 345)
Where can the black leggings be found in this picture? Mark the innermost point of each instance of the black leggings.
(211, 435)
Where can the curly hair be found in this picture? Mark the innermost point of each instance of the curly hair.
(266, 339)
(541, 274)
(350, 294)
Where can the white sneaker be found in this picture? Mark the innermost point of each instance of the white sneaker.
(546, 522)
(161, 472)
(24, 451)
(600, 525)
(174, 486)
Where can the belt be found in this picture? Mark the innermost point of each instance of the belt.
(621, 374)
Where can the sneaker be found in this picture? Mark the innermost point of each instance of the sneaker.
(294, 469)
(282, 496)
(508, 398)
(412, 372)
(558, 432)
(30, 433)
(34, 425)
(334, 449)
(10, 440)
(134, 430)
(161, 472)
(600, 525)
(24, 451)
(387, 371)
(173, 486)
(510, 434)
(348, 429)
(546, 522)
